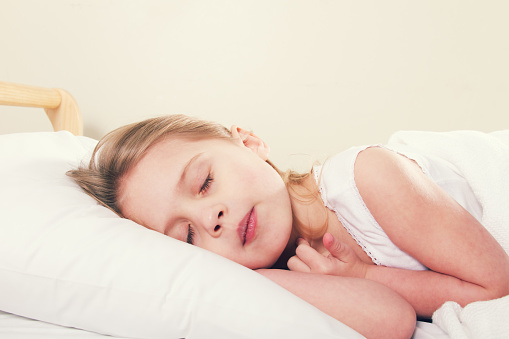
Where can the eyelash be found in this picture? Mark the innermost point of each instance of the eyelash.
(190, 235)
(203, 189)
(206, 184)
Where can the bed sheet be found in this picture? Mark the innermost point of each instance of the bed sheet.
(16, 327)
(425, 330)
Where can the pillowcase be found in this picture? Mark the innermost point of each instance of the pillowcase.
(67, 260)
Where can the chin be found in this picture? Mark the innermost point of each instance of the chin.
(262, 264)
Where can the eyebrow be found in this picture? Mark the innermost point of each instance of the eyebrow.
(186, 169)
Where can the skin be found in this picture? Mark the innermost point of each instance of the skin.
(226, 179)
(223, 181)
(466, 263)
(200, 191)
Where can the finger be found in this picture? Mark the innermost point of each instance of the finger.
(336, 248)
(295, 264)
(302, 241)
(310, 257)
(329, 241)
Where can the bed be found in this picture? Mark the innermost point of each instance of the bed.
(71, 268)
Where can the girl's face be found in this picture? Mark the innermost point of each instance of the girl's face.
(217, 194)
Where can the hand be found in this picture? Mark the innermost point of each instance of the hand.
(341, 260)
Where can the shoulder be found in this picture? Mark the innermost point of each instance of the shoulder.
(379, 167)
(382, 158)
(401, 198)
(390, 184)
(336, 174)
(362, 162)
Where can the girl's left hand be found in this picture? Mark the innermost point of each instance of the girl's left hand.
(341, 260)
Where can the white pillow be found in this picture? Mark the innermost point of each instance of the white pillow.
(65, 259)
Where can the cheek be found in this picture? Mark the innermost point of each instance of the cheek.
(264, 175)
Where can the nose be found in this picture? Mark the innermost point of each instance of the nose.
(212, 220)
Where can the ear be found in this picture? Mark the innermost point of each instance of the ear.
(251, 141)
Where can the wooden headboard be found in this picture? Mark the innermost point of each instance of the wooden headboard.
(60, 106)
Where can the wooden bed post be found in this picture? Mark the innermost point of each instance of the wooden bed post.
(60, 106)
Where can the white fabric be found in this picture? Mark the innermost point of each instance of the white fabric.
(425, 330)
(66, 260)
(482, 319)
(339, 193)
(16, 327)
(482, 159)
(470, 166)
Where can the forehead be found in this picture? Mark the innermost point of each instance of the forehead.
(177, 149)
(144, 188)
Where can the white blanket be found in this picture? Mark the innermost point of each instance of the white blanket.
(482, 319)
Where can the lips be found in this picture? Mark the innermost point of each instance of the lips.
(247, 227)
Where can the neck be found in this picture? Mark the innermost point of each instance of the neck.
(288, 252)
(309, 216)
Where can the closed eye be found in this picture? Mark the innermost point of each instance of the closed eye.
(206, 184)
(190, 235)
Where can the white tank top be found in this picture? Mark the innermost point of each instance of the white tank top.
(335, 179)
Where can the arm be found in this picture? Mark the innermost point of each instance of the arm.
(370, 308)
(466, 262)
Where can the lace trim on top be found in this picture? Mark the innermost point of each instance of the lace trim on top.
(317, 169)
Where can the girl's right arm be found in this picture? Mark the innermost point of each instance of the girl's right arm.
(466, 263)
(366, 306)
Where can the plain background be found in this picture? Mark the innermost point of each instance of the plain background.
(310, 77)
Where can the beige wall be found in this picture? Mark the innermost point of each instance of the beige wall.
(311, 77)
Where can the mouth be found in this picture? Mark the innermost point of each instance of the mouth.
(247, 227)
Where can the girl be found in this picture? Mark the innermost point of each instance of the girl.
(198, 182)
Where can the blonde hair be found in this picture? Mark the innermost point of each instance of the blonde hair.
(123, 148)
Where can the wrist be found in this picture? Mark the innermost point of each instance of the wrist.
(369, 271)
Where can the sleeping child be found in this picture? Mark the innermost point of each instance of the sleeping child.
(405, 217)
